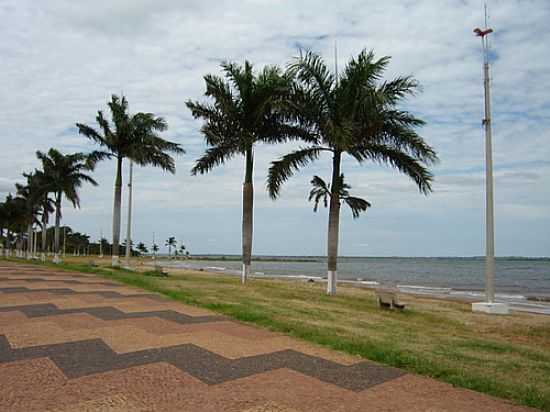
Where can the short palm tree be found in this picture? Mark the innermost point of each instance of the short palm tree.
(4, 224)
(19, 218)
(65, 174)
(135, 137)
(142, 248)
(171, 242)
(9, 214)
(245, 111)
(321, 192)
(155, 249)
(353, 114)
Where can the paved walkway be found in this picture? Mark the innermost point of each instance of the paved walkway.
(77, 342)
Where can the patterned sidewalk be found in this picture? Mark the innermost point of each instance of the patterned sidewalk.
(77, 342)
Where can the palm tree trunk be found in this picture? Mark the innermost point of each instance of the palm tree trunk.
(116, 212)
(29, 241)
(333, 226)
(35, 244)
(44, 235)
(8, 236)
(44, 231)
(56, 258)
(19, 243)
(248, 214)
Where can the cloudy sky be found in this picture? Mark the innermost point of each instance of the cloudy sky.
(61, 60)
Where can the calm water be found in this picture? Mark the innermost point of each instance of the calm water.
(513, 275)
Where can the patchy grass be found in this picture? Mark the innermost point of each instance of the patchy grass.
(504, 356)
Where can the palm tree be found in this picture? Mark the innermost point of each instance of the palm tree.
(19, 222)
(104, 245)
(65, 174)
(245, 111)
(155, 249)
(9, 215)
(182, 249)
(171, 242)
(4, 223)
(358, 115)
(142, 248)
(47, 207)
(134, 137)
(31, 195)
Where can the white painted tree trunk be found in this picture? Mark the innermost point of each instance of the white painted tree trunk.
(245, 273)
(332, 279)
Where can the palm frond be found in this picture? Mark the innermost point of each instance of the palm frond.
(214, 156)
(220, 91)
(398, 159)
(90, 133)
(281, 170)
(357, 205)
(395, 90)
(320, 191)
(96, 156)
(310, 69)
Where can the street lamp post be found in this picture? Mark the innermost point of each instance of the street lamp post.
(129, 224)
(489, 306)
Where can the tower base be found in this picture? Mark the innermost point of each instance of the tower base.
(491, 308)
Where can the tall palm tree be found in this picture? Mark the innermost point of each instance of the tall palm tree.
(353, 114)
(65, 174)
(134, 137)
(245, 111)
(171, 242)
(47, 206)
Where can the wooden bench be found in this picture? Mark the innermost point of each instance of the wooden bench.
(388, 299)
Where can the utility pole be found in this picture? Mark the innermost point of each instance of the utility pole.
(490, 306)
(129, 224)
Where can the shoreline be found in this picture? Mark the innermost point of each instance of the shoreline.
(536, 304)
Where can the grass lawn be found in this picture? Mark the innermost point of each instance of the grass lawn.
(505, 356)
